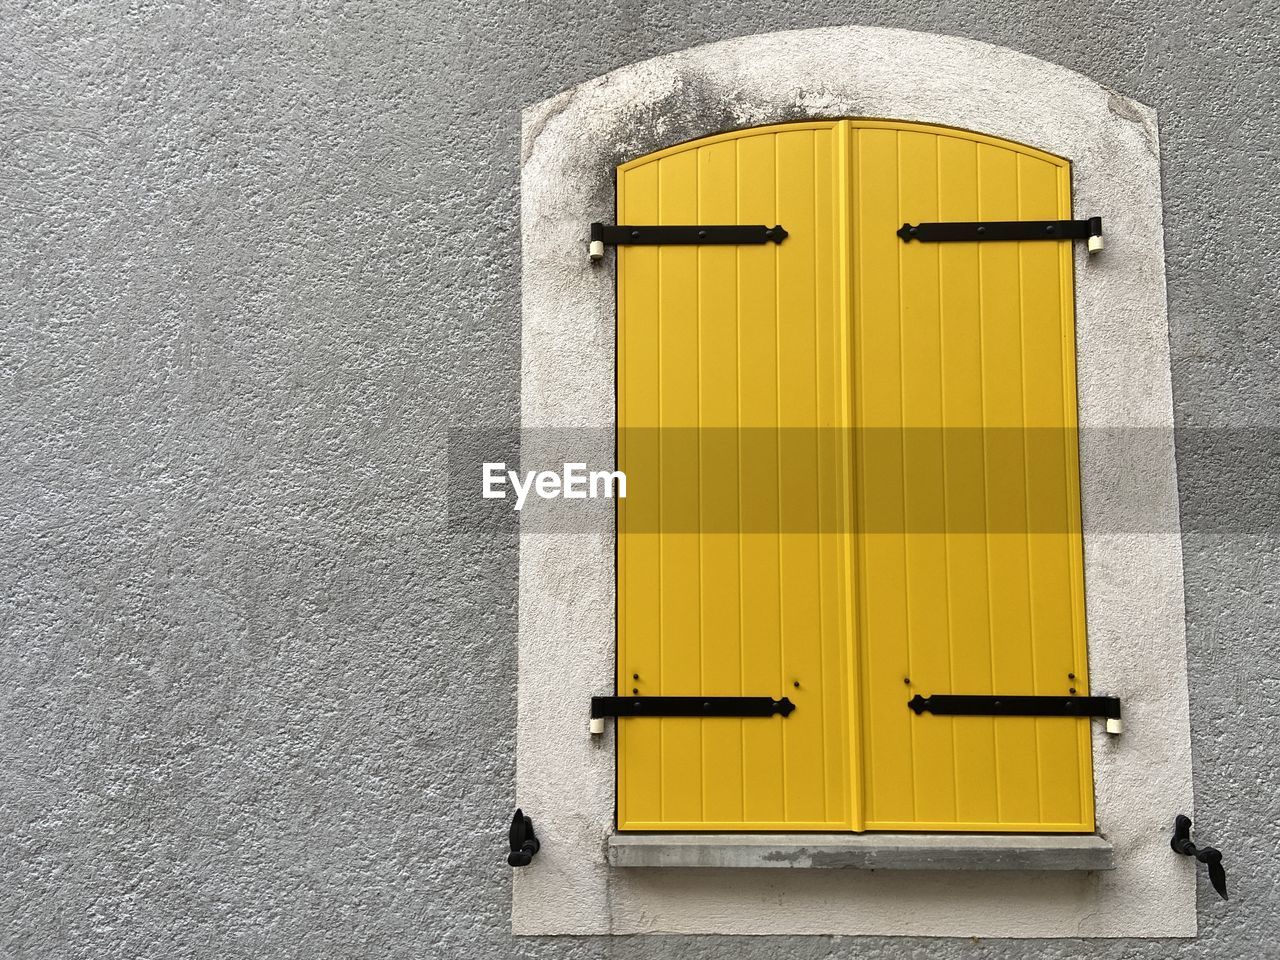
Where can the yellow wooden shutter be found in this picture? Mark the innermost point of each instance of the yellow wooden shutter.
(767, 550)
(735, 353)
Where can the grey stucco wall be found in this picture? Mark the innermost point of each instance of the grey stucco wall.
(257, 675)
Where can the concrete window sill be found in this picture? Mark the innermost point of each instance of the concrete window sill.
(868, 851)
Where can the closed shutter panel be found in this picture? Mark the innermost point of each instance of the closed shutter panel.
(970, 571)
(736, 354)
(762, 544)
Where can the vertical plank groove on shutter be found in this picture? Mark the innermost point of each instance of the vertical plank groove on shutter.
(762, 753)
(927, 600)
(639, 579)
(969, 625)
(881, 560)
(718, 413)
(1012, 627)
(679, 642)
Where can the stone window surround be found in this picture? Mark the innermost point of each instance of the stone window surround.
(571, 146)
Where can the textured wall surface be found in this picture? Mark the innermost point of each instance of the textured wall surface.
(256, 671)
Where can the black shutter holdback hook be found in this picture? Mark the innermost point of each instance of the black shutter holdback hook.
(1209, 856)
(524, 844)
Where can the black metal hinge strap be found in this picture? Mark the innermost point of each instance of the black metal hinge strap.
(603, 234)
(689, 707)
(972, 705)
(1211, 857)
(971, 231)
